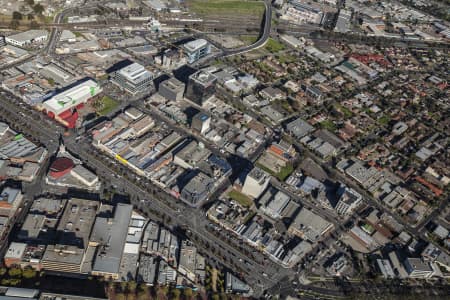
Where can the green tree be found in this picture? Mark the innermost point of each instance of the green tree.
(38, 9)
(132, 286)
(123, 286)
(30, 16)
(3, 271)
(34, 24)
(187, 293)
(15, 272)
(120, 296)
(17, 15)
(14, 24)
(175, 294)
(28, 273)
(30, 2)
(215, 297)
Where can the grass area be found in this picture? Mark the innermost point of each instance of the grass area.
(285, 172)
(281, 175)
(286, 58)
(249, 217)
(77, 34)
(329, 125)
(344, 110)
(226, 7)
(107, 105)
(274, 46)
(384, 120)
(240, 198)
(248, 39)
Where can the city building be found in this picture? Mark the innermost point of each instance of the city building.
(417, 268)
(187, 263)
(255, 183)
(200, 87)
(67, 251)
(196, 191)
(133, 78)
(348, 200)
(62, 106)
(310, 226)
(27, 38)
(171, 89)
(299, 12)
(10, 199)
(385, 268)
(201, 122)
(196, 49)
(109, 237)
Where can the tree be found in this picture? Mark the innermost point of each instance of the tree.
(38, 9)
(35, 25)
(120, 296)
(17, 15)
(187, 293)
(30, 2)
(175, 294)
(29, 273)
(15, 272)
(14, 24)
(30, 16)
(132, 286)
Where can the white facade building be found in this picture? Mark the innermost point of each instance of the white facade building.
(255, 183)
(27, 38)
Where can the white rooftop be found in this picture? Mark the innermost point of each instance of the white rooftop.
(195, 45)
(135, 72)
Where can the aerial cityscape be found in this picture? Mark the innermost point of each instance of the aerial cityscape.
(224, 149)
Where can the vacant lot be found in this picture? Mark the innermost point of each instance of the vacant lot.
(226, 7)
(240, 198)
(106, 106)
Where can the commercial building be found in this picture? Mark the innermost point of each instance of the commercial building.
(62, 105)
(417, 268)
(188, 255)
(299, 128)
(385, 268)
(255, 183)
(67, 171)
(348, 201)
(200, 87)
(10, 199)
(67, 252)
(299, 12)
(310, 226)
(201, 122)
(27, 38)
(109, 236)
(133, 78)
(196, 49)
(171, 89)
(196, 191)
(343, 22)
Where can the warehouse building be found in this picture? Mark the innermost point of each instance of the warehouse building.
(27, 38)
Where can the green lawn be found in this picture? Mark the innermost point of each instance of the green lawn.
(240, 198)
(344, 110)
(281, 175)
(274, 46)
(384, 120)
(248, 39)
(108, 105)
(226, 7)
(327, 124)
(285, 172)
